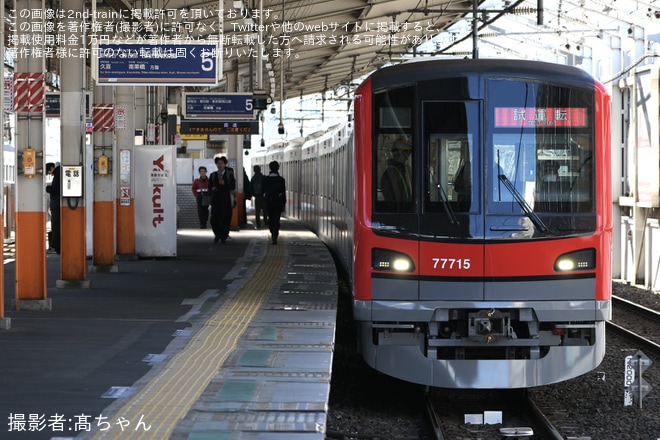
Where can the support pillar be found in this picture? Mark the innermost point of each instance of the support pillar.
(105, 164)
(29, 86)
(234, 152)
(73, 262)
(125, 135)
(5, 323)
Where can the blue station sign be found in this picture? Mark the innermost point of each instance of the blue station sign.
(157, 64)
(218, 106)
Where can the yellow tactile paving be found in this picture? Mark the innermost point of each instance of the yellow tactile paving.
(168, 397)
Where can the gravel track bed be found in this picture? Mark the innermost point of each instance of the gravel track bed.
(367, 405)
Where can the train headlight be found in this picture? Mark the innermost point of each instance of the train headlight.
(385, 259)
(584, 259)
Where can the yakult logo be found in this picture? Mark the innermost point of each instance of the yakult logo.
(158, 173)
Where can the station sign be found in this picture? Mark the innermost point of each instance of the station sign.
(157, 64)
(219, 127)
(53, 105)
(218, 105)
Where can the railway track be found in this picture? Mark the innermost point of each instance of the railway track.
(587, 407)
(520, 416)
(635, 322)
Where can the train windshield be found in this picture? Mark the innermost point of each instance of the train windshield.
(516, 164)
(540, 151)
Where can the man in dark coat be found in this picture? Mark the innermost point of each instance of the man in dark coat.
(54, 189)
(222, 183)
(257, 183)
(275, 197)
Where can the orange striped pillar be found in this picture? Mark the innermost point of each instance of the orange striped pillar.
(30, 258)
(29, 91)
(125, 227)
(123, 162)
(73, 266)
(238, 213)
(73, 261)
(103, 253)
(104, 236)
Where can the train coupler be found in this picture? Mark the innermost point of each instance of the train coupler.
(489, 326)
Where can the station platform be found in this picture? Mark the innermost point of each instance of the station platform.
(224, 341)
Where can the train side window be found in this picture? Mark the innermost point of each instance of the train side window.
(394, 152)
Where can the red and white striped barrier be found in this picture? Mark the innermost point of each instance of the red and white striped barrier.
(103, 117)
(29, 92)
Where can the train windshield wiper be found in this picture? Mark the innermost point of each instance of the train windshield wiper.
(447, 206)
(529, 212)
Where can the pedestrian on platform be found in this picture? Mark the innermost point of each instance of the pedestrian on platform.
(54, 189)
(257, 184)
(221, 185)
(275, 197)
(200, 189)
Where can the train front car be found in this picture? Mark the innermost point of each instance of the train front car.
(482, 222)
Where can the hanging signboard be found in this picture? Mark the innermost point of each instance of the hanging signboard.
(218, 105)
(157, 64)
(219, 127)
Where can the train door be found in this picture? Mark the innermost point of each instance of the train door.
(451, 222)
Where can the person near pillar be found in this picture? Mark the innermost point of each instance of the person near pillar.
(275, 197)
(54, 190)
(222, 183)
(257, 183)
(48, 179)
(200, 189)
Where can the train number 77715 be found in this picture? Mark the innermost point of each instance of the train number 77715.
(451, 263)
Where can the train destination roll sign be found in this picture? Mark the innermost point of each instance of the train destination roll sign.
(161, 64)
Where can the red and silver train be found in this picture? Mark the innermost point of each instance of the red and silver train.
(471, 206)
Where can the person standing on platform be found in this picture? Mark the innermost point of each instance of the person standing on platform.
(50, 167)
(221, 185)
(200, 189)
(275, 197)
(54, 189)
(257, 184)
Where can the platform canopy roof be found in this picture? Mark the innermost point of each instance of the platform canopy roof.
(312, 46)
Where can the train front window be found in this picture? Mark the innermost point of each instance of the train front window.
(450, 137)
(541, 153)
(394, 152)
